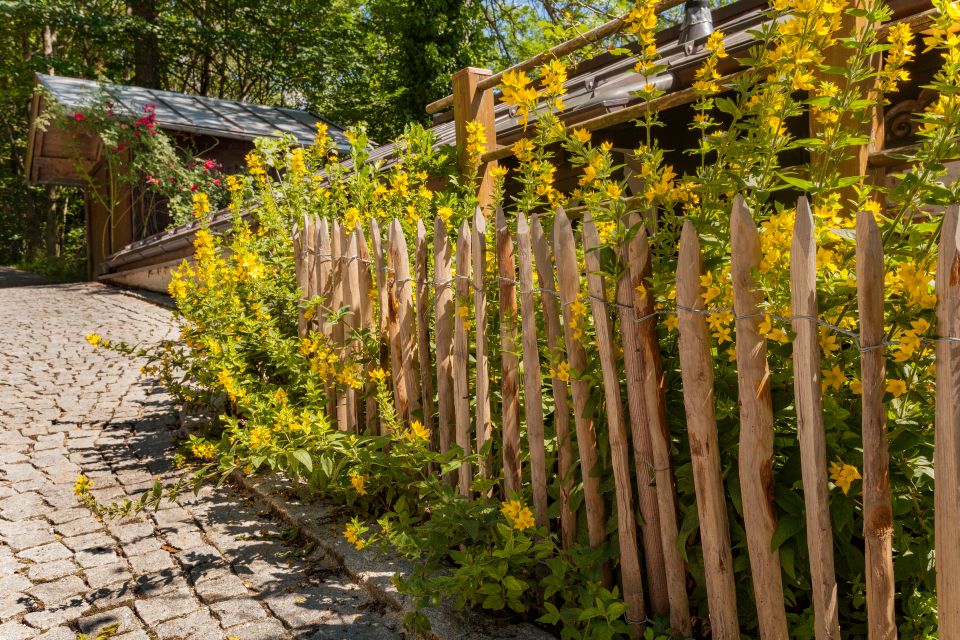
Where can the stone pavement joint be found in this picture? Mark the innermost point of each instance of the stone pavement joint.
(208, 567)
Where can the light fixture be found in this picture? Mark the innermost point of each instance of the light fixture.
(697, 23)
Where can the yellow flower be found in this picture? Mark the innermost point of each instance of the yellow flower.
(358, 482)
(260, 436)
(81, 485)
(353, 532)
(445, 214)
(476, 143)
(561, 372)
(201, 204)
(843, 475)
(896, 387)
(519, 516)
(581, 135)
(614, 190)
(833, 377)
(378, 375)
(417, 432)
(856, 386)
(94, 339)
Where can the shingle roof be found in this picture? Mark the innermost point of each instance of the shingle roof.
(194, 114)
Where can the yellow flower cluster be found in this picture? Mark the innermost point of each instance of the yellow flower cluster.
(577, 321)
(255, 166)
(910, 341)
(803, 38)
(641, 22)
(353, 532)
(843, 475)
(900, 53)
(914, 283)
(82, 485)
(201, 205)
(517, 91)
(519, 516)
(416, 432)
(561, 371)
(298, 163)
(553, 75)
(94, 339)
(359, 483)
(476, 143)
(231, 387)
(776, 235)
(260, 436)
(322, 136)
(203, 449)
(706, 76)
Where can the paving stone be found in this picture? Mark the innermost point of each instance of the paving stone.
(165, 606)
(78, 527)
(52, 593)
(16, 631)
(58, 633)
(151, 562)
(238, 611)
(52, 570)
(215, 586)
(46, 553)
(122, 616)
(106, 575)
(199, 624)
(14, 582)
(266, 630)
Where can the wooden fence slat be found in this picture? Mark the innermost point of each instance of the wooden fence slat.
(351, 298)
(389, 351)
(366, 322)
(561, 410)
(655, 417)
(445, 309)
(484, 423)
(947, 440)
(318, 279)
(532, 394)
(509, 362)
(657, 587)
(756, 425)
(301, 274)
(337, 240)
(423, 325)
(617, 430)
(696, 369)
(877, 502)
(402, 292)
(461, 357)
(810, 429)
(323, 270)
(568, 277)
(310, 258)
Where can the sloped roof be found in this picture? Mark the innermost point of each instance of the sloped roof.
(193, 114)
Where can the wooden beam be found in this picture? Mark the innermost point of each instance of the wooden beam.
(473, 103)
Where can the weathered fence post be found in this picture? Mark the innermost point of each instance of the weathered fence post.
(461, 358)
(423, 325)
(561, 414)
(810, 430)
(407, 374)
(532, 395)
(877, 502)
(444, 310)
(568, 278)
(509, 363)
(478, 249)
(696, 368)
(617, 430)
(946, 456)
(756, 425)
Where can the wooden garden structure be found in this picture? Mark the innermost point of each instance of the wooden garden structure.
(117, 212)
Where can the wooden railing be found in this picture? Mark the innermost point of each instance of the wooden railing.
(451, 394)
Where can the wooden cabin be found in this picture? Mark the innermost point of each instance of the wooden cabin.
(210, 128)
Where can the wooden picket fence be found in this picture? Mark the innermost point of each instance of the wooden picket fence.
(410, 311)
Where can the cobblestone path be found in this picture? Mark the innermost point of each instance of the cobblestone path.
(209, 567)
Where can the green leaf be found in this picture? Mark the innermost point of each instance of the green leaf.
(304, 458)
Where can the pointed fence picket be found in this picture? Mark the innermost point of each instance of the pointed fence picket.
(559, 282)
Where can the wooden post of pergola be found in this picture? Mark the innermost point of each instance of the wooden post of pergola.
(472, 103)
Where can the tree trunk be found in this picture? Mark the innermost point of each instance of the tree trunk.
(146, 51)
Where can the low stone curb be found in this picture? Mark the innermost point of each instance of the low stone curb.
(323, 525)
